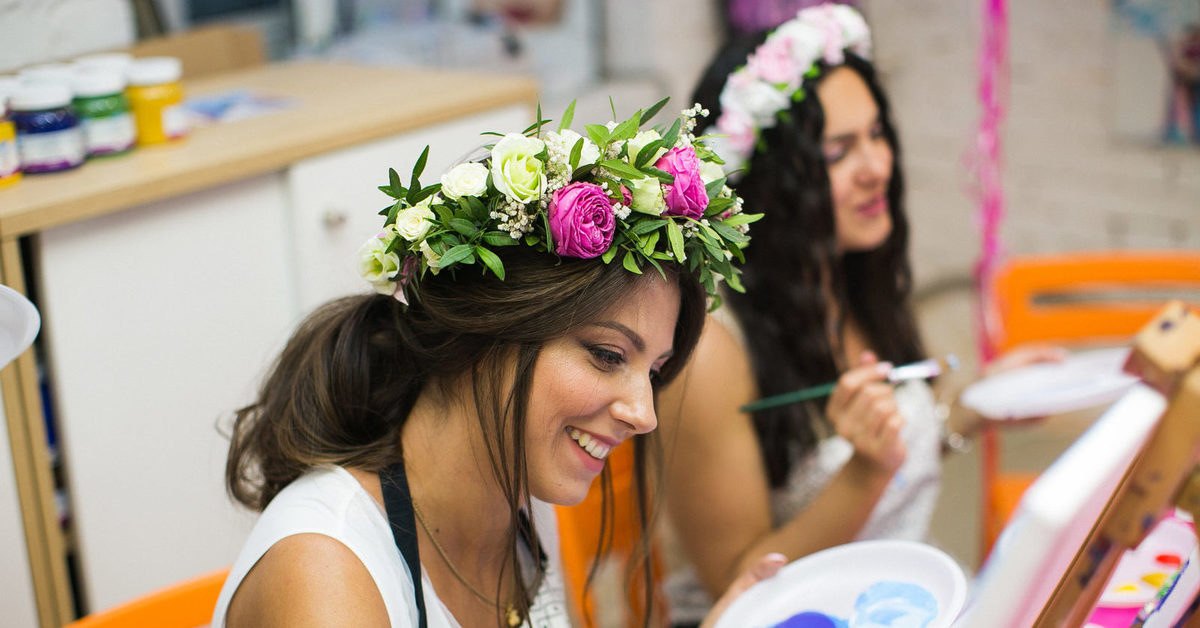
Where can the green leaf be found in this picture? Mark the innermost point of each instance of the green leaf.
(576, 153)
(424, 193)
(626, 130)
(457, 254)
(567, 117)
(623, 169)
(714, 187)
(474, 208)
(394, 244)
(463, 226)
(742, 219)
(444, 214)
(672, 135)
(387, 189)
(653, 110)
(609, 254)
(729, 233)
(647, 152)
(499, 238)
(650, 242)
(612, 107)
(599, 134)
(663, 176)
(491, 260)
(492, 133)
(717, 205)
(531, 240)
(419, 167)
(392, 213)
(394, 181)
(656, 266)
(675, 237)
(646, 226)
(630, 263)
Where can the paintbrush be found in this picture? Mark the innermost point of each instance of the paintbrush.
(924, 369)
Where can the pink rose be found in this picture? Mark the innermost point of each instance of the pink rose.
(686, 196)
(739, 128)
(581, 220)
(773, 63)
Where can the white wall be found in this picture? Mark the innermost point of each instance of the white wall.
(37, 31)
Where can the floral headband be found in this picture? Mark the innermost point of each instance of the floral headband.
(645, 196)
(761, 91)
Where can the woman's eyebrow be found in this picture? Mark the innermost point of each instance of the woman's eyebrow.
(633, 336)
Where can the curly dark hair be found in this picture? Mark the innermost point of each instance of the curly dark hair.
(783, 312)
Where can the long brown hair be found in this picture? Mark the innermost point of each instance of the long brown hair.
(783, 311)
(349, 376)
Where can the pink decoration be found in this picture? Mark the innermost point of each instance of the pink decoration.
(986, 158)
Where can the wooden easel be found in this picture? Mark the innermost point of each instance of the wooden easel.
(1165, 473)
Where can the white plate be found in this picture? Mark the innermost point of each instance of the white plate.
(830, 583)
(1084, 380)
(19, 324)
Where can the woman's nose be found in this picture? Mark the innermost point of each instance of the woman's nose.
(636, 408)
(875, 162)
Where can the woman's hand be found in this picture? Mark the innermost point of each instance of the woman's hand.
(766, 567)
(1024, 356)
(863, 411)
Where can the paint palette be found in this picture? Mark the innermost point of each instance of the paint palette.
(1143, 570)
(868, 584)
(1084, 380)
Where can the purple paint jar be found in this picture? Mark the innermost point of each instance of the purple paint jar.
(49, 138)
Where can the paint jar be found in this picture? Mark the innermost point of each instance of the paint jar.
(51, 73)
(10, 161)
(118, 62)
(49, 138)
(103, 112)
(155, 95)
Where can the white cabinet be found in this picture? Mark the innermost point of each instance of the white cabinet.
(336, 197)
(160, 321)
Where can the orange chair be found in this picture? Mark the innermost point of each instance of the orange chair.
(188, 604)
(580, 528)
(1071, 299)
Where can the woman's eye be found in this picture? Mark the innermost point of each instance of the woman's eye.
(607, 357)
(834, 154)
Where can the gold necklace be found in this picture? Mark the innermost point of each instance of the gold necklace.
(511, 615)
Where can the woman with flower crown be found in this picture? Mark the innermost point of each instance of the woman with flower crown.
(801, 114)
(406, 446)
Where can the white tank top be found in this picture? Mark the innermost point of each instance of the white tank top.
(329, 501)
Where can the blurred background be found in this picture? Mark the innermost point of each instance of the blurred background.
(1100, 133)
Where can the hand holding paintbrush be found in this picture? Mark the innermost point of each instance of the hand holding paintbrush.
(924, 369)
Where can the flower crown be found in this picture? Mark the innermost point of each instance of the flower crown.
(760, 92)
(644, 196)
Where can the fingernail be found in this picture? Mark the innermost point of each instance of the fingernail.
(776, 556)
(883, 368)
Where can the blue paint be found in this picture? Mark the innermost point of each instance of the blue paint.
(890, 604)
(811, 619)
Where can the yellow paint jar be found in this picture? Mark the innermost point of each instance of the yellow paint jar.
(155, 96)
(10, 161)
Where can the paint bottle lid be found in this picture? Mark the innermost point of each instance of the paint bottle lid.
(155, 71)
(118, 62)
(8, 86)
(92, 83)
(56, 73)
(39, 97)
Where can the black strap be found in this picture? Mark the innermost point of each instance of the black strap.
(397, 501)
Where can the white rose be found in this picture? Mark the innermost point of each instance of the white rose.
(413, 223)
(639, 141)
(431, 259)
(854, 29)
(376, 266)
(807, 42)
(588, 154)
(758, 99)
(469, 179)
(710, 171)
(648, 197)
(516, 171)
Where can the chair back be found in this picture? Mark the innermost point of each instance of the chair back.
(1074, 299)
(188, 604)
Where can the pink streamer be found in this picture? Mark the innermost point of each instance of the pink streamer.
(993, 83)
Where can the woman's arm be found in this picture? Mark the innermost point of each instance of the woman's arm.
(307, 580)
(717, 491)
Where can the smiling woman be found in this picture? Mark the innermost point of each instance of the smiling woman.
(406, 446)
